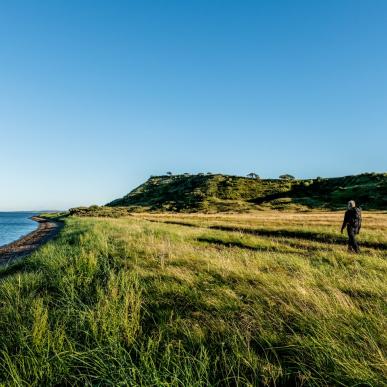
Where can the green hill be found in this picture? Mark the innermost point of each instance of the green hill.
(213, 193)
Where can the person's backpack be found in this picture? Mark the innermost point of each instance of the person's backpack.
(355, 219)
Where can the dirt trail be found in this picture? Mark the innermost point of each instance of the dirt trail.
(24, 246)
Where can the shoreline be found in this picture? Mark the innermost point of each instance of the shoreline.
(47, 229)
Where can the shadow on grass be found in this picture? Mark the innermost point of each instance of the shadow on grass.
(288, 244)
(176, 223)
(241, 245)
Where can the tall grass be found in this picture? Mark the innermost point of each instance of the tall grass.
(133, 302)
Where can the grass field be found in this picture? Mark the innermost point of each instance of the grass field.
(266, 298)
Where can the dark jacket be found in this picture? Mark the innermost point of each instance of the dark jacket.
(352, 219)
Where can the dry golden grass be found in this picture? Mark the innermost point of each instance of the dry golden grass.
(374, 228)
(372, 220)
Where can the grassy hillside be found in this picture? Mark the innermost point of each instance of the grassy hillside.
(195, 300)
(214, 193)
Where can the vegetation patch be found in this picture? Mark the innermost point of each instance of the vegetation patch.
(221, 193)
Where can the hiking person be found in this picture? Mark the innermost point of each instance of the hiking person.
(352, 220)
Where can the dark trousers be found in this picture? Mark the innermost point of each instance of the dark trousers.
(352, 243)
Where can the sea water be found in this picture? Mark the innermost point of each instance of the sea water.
(14, 225)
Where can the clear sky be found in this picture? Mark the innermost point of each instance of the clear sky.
(95, 96)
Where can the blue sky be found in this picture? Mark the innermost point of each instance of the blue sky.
(95, 96)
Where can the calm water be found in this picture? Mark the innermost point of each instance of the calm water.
(14, 225)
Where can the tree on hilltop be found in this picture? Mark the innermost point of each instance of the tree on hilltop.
(253, 175)
(287, 177)
(169, 173)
